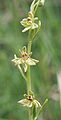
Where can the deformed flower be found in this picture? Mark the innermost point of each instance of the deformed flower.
(36, 3)
(29, 22)
(24, 59)
(42, 2)
(29, 101)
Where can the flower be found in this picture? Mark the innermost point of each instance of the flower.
(29, 22)
(29, 101)
(25, 59)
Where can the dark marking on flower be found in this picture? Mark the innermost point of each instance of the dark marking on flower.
(30, 98)
(25, 56)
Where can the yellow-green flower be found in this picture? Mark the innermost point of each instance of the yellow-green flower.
(29, 22)
(29, 101)
(24, 59)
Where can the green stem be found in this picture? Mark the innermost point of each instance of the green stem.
(28, 80)
(29, 46)
(30, 113)
(28, 72)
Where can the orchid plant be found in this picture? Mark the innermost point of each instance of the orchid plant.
(31, 24)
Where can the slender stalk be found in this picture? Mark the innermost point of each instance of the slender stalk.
(28, 72)
(29, 45)
(28, 80)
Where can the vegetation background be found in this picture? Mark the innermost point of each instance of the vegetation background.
(46, 76)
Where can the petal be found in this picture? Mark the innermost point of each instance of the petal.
(42, 2)
(30, 53)
(24, 49)
(31, 61)
(25, 67)
(26, 29)
(15, 56)
(34, 25)
(36, 61)
(24, 22)
(36, 103)
(17, 61)
(36, 18)
(25, 102)
(32, 6)
(39, 24)
(29, 104)
(31, 15)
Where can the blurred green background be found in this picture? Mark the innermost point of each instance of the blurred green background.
(46, 76)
